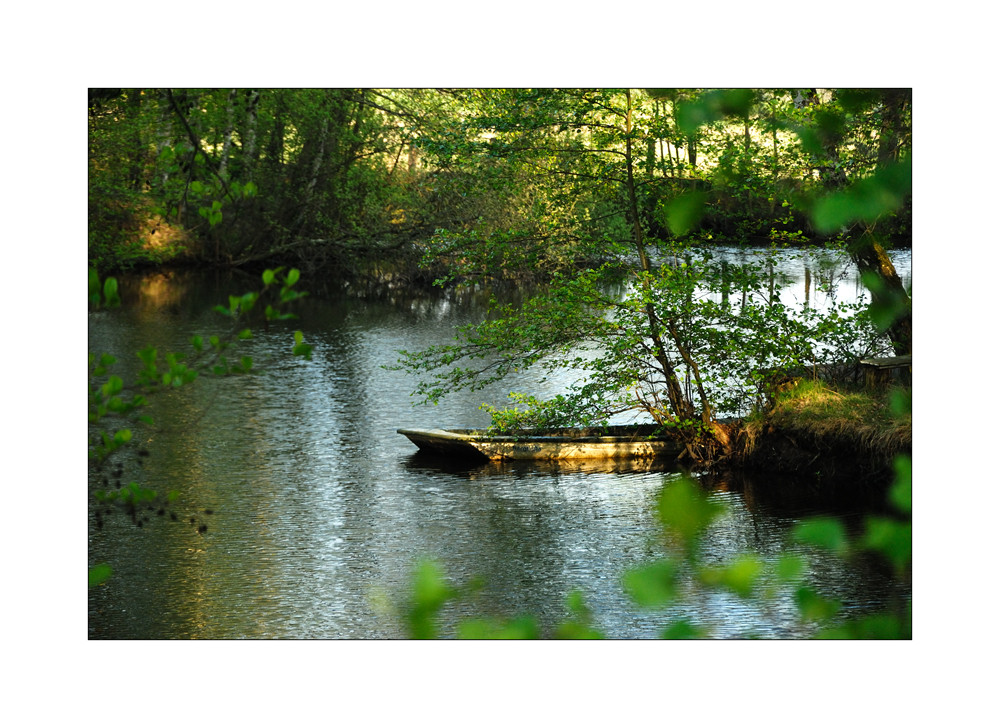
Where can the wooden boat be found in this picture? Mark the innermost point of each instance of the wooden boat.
(632, 442)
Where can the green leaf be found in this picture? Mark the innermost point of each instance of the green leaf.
(268, 277)
(111, 292)
(652, 585)
(901, 492)
(519, 628)
(684, 212)
(113, 386)
(712, 106)
(865, 200)
(790, 568)
(813, 607)
(682, 629)
(893, 539)
(430, 592)
(98, 574)
(739, 576)
(685, 511)
(93, 287)
(825, 532)
(293, 277)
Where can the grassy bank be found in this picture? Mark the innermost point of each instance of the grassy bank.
(833, 434)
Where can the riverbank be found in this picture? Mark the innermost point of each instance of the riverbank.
(839, 437)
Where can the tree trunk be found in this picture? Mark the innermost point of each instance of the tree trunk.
(868, 254)
(136, 153)
(887, 291)
(250, 134)
(682, 407)
(227, 138)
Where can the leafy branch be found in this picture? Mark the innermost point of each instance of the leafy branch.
(112, 400)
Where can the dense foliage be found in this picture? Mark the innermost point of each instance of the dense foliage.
(628, 276)
(331, 177)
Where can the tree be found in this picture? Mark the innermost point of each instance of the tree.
(661, 338)
(868, 132)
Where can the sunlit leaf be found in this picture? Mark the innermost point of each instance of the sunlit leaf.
(685, 511)
(825, 532)
(429, 585)
(652, 585)
(113, 386)
(429, 593)
(111, 292)
(739, 576)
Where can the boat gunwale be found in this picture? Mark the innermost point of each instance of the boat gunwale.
(647, 433)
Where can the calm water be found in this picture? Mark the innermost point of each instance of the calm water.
(319, 509)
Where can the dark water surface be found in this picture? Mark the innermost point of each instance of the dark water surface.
(319, 509)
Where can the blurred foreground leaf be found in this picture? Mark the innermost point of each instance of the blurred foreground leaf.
(519, 628)
(683, 213)
(739, 576)
(98, 574)
(865, 200)
(901, 493)
(713, 106)
(430, 592)
(682, 630)
(825, 532)
(652, 585)
(813, 607)
(685, 511)
(891, 538)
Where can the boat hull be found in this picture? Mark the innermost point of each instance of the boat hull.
(612, 443)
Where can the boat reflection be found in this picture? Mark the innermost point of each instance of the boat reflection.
(426, 462)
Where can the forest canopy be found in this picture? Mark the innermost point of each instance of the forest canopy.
(611, 200)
